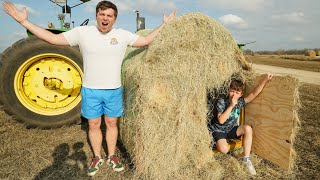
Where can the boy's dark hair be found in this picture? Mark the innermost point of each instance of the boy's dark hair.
(103, 5)
(237, 85)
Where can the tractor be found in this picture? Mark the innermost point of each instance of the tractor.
(241, 45)
(40, 83)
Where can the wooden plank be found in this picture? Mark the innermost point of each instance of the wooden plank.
(272, 116)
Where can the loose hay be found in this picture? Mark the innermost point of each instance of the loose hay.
(165, 88)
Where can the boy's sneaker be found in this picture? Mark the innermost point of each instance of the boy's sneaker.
(94, 166)
(249, 166)
(114, 163)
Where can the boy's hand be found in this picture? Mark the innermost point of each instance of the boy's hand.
(234, 102)
(268, 77)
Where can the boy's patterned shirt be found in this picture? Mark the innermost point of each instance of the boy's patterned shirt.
(222, 105)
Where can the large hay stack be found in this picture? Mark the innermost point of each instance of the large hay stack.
(164, 127)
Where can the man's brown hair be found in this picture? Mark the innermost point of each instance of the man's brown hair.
(103, 5)
(237, 85)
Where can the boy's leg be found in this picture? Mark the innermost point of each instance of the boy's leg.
(222, 146)
(221, 142)
(246, 131)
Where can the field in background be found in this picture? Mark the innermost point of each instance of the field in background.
(64, 153)
(287, 61)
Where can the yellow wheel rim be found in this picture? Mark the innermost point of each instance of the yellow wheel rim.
(49, 84)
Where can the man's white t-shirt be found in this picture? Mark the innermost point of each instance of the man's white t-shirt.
(102, 54)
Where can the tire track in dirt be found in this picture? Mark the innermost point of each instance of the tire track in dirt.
(303, 76)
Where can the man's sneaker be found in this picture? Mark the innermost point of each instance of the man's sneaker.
(249, 166)
(114, 163)
(94, 166)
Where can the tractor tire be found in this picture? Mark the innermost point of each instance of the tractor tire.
(40, 83)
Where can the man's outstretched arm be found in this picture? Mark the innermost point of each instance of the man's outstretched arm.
(144, 41)
(22, 18)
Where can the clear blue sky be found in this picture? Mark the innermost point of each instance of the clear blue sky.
(273, 24)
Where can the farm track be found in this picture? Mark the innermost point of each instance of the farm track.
(302, 75)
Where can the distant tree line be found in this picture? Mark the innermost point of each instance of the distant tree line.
(280, 51)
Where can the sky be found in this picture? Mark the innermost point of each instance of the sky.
(272, 24)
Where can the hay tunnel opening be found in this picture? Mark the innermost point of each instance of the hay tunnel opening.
(212, 97)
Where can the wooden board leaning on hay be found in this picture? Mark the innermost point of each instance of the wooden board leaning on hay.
(273, 116)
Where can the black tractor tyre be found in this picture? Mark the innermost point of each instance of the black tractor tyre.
(11, 61)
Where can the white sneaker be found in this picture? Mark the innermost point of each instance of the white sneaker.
(250, 167)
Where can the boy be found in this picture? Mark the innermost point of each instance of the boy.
(224, 125)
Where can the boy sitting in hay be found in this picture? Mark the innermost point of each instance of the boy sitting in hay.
(224, 125)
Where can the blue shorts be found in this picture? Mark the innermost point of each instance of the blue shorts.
(96, 102)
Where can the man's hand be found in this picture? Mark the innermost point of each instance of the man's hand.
(169, 18)
(11, 10)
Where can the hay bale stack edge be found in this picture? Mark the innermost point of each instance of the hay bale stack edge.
(164, 127)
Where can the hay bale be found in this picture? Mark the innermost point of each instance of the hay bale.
(318, 52)
(311, 53)
(164, 127)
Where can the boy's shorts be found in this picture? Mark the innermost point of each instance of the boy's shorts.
(96, 102)
(230, 135)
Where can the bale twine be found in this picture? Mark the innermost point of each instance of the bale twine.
(164, 127)
(311, 53)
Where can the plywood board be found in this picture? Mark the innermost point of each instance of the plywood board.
(273, 115)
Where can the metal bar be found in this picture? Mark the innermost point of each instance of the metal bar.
(77, 5)
(55, 3)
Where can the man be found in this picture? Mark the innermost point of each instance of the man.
(103, 48)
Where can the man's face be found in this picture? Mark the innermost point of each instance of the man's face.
(234, 94)
(105, 20)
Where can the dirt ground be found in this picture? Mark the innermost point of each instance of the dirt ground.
(64, 153)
